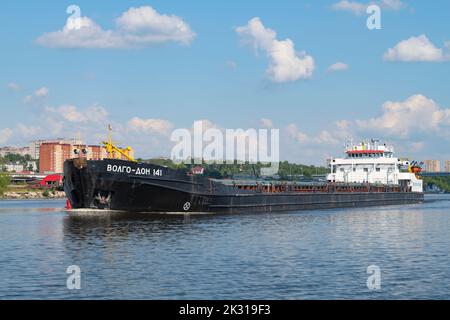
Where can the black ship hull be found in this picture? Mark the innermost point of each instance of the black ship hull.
(128, 186)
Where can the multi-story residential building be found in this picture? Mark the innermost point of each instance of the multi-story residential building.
(96, 152)
(13, 167)
(35, 146)
(432, 165)
(447, 166)
(15, 150)
(31, 166)
(53, 154)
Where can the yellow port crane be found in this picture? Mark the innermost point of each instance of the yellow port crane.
(115, 152)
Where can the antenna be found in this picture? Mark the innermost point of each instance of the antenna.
(110, 133)
(79, 137)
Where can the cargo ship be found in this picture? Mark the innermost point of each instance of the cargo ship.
(368, 175)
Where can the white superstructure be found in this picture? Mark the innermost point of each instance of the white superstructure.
(373, 162)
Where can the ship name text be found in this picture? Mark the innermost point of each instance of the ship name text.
(137, 171)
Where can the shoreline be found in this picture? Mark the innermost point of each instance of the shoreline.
(33, 195)
(28, 199)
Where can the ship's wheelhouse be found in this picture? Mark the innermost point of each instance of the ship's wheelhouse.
(372, 162)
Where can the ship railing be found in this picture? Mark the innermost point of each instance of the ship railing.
(275, 187)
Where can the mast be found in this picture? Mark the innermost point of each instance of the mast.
(115, 152)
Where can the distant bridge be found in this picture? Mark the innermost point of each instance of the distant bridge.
(434, 174)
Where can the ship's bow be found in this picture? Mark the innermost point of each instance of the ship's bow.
(77, 184)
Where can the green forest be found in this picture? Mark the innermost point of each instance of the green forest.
(286, 170)
(442, 182)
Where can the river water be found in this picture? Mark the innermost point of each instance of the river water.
(322, 254)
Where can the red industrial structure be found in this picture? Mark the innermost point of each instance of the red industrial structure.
(52, 180)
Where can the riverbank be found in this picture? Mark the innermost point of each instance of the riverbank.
(38, 194)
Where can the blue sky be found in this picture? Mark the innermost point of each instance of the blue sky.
(216, 76)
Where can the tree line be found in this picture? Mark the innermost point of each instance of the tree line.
(15, 158)
(442, 182)
(286, 170)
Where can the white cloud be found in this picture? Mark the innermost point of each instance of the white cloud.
(415, 49)
(88, 35)
(146, 25)
(355, 7)
(41, 92)
(28, 131)
(359, 8)
(149, 137)
(5, 135)
(417, 146)
(266, 123)
(96, 114)
(207, 124)
(416, 127)
(137, 27)
(338, 66)
(325, 137)
(12, 86)
(416, 114)
(231, 64)
(56, 126)
(70, 113)
(343, 125)
(38, 95)
(285, 63)
(160, 126)
(392, 4)
(296, 134)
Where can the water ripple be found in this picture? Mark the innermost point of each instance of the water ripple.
(294, 255)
